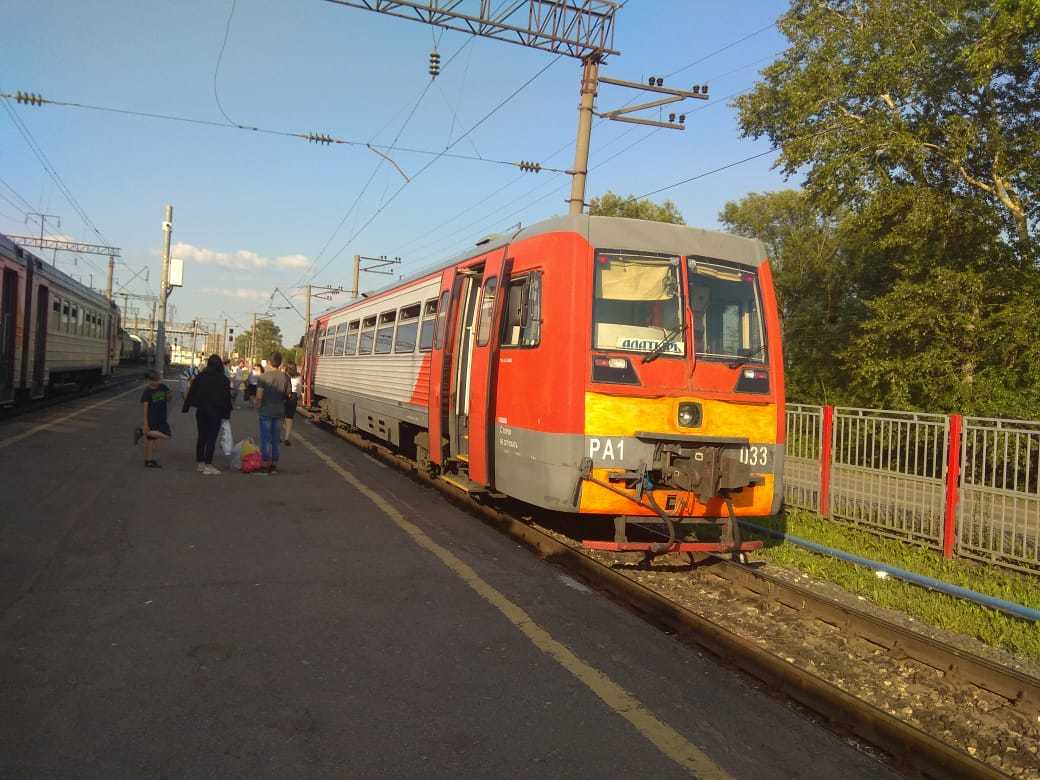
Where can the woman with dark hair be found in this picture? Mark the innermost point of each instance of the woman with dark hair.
(210, 394)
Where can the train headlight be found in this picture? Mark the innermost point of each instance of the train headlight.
(689, 415)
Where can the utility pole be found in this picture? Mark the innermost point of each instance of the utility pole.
(252, 340)
(43, 221)
(194, 337)
(164, 291)
(589, 84)
(307, 310)
(378, 265)
(111, 273)
(223, 344)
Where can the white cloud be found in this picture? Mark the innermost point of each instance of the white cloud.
(242, 293)
(239, 259)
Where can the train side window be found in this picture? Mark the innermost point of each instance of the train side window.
(64, 315)
(407, 328)
(385, 333)
(523, 316)
(341, 335)
(352, 338)
(487, 311)
(322, 341)
(74, 319)
(429, 326)
(368, 328)
(442, 319)
(55, 314)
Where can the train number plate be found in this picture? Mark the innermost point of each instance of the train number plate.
(755, 455)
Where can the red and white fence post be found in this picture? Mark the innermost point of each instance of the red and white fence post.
(826, 430)
(953, 479)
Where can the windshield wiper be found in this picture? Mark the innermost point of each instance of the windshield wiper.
(669, 339)
(743, 361)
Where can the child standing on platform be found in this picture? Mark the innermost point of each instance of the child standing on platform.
(156, 426)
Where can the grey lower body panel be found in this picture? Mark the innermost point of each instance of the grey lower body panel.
(377, 416)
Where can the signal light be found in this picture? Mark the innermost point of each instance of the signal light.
(29, 98)
(435, 64)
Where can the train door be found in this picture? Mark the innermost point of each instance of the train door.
(458, 411)
(8, 315)
(310, 361)
(483, 368)
(43, 309)
(440, 363)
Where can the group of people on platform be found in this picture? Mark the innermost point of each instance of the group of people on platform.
(273, 390)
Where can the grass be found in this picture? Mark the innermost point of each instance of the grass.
(1017, 636)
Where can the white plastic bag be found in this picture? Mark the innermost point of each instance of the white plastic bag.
(236, 456)
(224, 439)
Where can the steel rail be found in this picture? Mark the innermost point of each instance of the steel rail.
(14, 410)
(909, 747)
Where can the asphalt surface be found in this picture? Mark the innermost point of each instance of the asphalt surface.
(165, 623)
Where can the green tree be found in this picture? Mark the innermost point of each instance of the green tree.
(909, 92)
(612, 205)
(268, 340)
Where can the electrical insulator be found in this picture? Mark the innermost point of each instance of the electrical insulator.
(530, 167)
(696, 90)
(320, 138)
(29, 98)
(435, 64)
(671, 118)
(660, 82)
(682, 119)
(704, 89)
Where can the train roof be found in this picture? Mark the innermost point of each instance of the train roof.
(608, 233)
(52, 273)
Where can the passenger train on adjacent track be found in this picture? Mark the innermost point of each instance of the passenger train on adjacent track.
(621, 369)
(55, 333)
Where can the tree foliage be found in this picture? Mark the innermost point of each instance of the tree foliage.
(612, 205)
(268, 340)
(909, 92)
(907, 267)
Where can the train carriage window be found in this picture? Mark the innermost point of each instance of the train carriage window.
(326, 341)
(407, 329)
(636, 305)
(727, 315)
(429, 326)
(322, 341)
(352, 338)
(523, 317)
(385, 333)
(74, 319)
(487, 311)
(442, 319)
(368, 328)
(341, 338)
(55, 314)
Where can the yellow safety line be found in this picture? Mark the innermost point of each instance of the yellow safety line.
(59, 420)
(664, 737)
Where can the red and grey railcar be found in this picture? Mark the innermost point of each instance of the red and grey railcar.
(54, 331)
(610, 367)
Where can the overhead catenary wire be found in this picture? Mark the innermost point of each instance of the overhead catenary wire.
(48, 167)
(220, 58)
(428, 165)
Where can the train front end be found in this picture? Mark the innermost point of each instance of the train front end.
(684, 405)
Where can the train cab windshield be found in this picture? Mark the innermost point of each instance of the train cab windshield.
(637, 303)
(727, 312)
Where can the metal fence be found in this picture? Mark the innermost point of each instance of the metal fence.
(889, 472)
(999, 515)
(802, 456)
(901, 474)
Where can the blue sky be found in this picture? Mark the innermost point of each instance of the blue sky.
(253, 212)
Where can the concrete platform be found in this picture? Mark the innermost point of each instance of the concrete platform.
(161, 622)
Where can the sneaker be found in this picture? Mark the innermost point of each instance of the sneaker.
(138, 435)
(272, 469)
(210, 470)
(153, 464)
(287, 443)
(201, 468)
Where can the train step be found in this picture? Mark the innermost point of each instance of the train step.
(704, 547)
(464, 483)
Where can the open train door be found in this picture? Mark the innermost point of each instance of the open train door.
(484, 370)
(440, 365)
(311, 342)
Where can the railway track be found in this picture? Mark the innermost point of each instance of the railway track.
(11, 412)
(954, 670)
